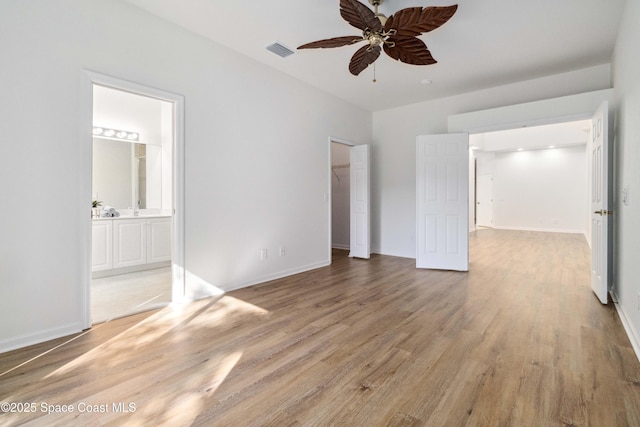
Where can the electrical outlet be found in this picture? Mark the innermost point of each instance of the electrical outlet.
(282, 251)
(264, 254)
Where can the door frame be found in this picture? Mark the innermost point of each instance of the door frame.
(91, 78)
(568, 108)
(329, 193)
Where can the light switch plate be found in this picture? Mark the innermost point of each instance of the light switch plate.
(625, 195)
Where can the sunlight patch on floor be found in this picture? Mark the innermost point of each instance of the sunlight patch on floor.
(174, 324)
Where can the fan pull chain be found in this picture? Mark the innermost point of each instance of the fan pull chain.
(374, 72)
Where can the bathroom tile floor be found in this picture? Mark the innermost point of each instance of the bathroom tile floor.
(126, 294)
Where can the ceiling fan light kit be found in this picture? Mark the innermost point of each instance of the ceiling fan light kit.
(396, 35)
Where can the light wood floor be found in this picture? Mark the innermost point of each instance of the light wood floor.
(518, 341)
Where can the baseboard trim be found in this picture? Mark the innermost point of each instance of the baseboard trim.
(543, 230)
(343, 247)
(267, 278)
(133, 269)
(633, 335)
(40, 337)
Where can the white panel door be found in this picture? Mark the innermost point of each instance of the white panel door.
(359, 195)
(442, 201)
(600, 219)
(484, 201)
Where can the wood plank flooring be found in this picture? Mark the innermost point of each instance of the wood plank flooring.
(520, 340)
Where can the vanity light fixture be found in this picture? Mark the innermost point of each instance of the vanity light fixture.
(115, 134)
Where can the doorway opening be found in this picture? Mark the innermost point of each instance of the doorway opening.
(599, 167)
(349, 213)
(340, 191)
(137, 241)
(531, 178)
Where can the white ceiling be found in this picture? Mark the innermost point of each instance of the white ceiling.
(487, 43)
(532, 138)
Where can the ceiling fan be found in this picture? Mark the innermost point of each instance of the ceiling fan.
(397, 34)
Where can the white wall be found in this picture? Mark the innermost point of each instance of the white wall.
(626, 77)
(394, 144)
(340, 201)
(255, 147)
(540, 190)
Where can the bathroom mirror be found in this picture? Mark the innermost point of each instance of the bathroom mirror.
(127, 174)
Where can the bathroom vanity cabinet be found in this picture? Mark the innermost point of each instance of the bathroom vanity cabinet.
(126, 244)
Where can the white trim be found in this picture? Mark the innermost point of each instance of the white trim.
(542, 230)
(285, 273)
(632, 333)
(40, 337)
(342, 247)
(177, 255)
(132, 269)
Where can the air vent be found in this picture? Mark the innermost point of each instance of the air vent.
(280, 50)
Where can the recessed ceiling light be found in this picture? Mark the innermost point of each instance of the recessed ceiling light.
(425, 82)
(520, 149)
(552, 146)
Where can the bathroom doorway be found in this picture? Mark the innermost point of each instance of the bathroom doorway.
(137, 247)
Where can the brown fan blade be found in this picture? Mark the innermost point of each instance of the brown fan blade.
(409, 50)
(334, 42)
(363, 57)
(359, 15)
(414, 21)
